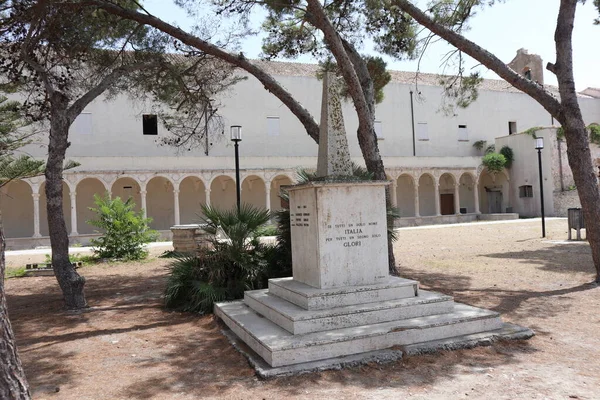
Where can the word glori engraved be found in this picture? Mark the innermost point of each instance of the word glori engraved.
(355, 243)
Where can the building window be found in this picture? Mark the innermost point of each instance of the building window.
(150, 124)
(526, 191)
(463, 133)
(527, 73)
(273, 126)
(422, 131)
(378, 130)
(512, 127)
(82, 124)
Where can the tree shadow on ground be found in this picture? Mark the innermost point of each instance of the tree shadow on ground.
(561, 257)
(505, 301)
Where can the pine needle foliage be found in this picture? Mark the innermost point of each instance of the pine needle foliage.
(125, 231)
(14, 167)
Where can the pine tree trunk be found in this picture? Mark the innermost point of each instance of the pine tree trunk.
(71, 283)
(13, 383)
(570, 117)
(580, 161)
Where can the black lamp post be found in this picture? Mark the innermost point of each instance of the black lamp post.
(539, 145)
(236, 137)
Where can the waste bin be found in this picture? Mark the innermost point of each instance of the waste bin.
(576, 221)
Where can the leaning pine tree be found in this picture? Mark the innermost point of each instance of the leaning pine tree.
(62, 56)
(446, 19)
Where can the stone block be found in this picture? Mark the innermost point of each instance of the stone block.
(339, 233)
(279, 347)
(297, 320)
(310, 298)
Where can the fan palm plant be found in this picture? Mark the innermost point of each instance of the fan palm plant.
(225, 271)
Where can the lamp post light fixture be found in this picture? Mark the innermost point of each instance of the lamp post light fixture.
(539, 145)
(236, 137)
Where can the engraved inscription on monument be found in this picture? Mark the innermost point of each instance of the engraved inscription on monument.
(354, 234)
(300, 217)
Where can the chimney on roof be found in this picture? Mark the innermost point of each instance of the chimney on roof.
(528, 65)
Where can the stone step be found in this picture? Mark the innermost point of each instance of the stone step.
(297, 320)
(279, 347)
(311, 298)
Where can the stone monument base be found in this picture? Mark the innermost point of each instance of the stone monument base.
(294, 327)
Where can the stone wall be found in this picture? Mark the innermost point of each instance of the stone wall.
(564, 201)
(189, 238)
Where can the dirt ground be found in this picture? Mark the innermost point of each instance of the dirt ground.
(126, 346)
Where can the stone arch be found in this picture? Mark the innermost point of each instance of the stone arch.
(127, 187)
(493, 192)
(16, 203)
(86, 189)
(447, 190)
(467, 192)
(405, 195)
(160, 202)
(427, 194)
(192, 194)
(277, 202)
(254, 191)
(44, 211)
(223, 192)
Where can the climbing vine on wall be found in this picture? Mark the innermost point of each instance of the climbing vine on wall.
(508, 154)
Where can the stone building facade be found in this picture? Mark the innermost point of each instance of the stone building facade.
(443, 182)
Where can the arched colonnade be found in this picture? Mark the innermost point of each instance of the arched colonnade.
(175, 198)
(169, 198)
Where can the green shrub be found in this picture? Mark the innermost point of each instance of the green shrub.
(594, 133)
(225, 271)
(509, 156)
(125, 231)
(267, 230)
(490, 149)
(560, 133)
(494, 162)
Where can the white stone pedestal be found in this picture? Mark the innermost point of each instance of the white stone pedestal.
(339, 233)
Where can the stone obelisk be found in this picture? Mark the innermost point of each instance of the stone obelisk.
(334, 156)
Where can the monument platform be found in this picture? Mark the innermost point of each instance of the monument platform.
(283, 334)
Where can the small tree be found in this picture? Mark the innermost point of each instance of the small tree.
(125, 231)
(494, 162)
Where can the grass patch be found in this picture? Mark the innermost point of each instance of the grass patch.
(15, 272)
(84, 259)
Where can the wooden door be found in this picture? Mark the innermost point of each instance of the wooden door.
(494, 202)
(447, 204)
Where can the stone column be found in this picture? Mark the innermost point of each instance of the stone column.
(394, 197)
(74, 214)
(476, 198)
(457, 199)
(268, 196)
(36, 215)
(143, 196)
(417, 213)
(207, 195)
(176, 206)
(436, 187)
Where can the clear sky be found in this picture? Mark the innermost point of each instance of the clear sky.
(501, 29)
